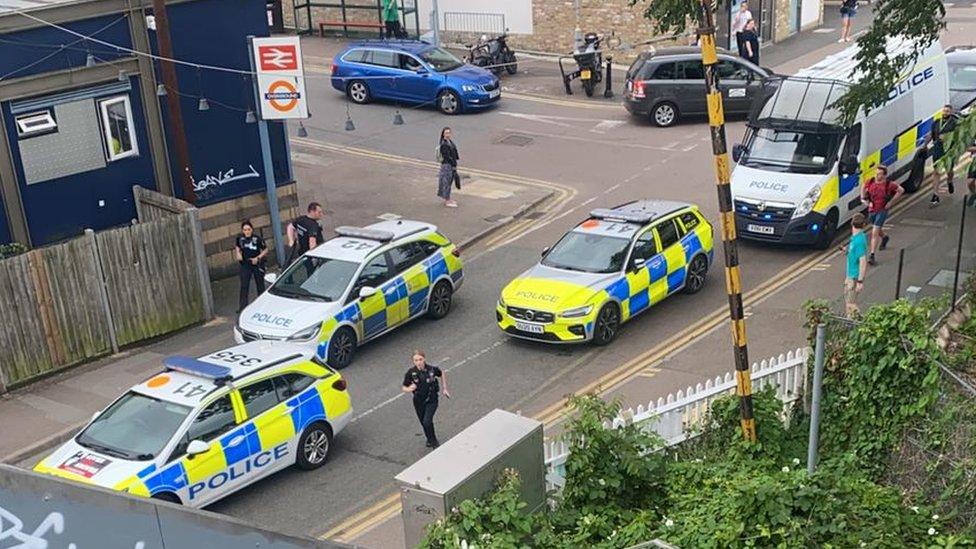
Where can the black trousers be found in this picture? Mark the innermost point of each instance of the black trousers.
(247, 272)
(425, 413)
(392, 29)
(740, 44)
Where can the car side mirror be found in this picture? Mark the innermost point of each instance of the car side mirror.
(422, 71)
(197, 447)
(545, 251)
(271, 278)
(848, 165)
(637, 264)
(366, 291)
(737, 151)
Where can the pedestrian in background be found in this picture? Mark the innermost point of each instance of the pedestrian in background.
(250, 251)
(848, 10)
(971, 177)
(940, 131)
(857, 265)
(878, 195)
(391, 19)
(305, 233)
(739, 21)
(751, 38)
(425, 382)
(447, 155)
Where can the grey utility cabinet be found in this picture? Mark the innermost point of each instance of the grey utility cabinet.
(468, 466)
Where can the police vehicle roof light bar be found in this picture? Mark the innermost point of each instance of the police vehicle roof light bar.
(188, 365)
(368, 234)
(631, 216)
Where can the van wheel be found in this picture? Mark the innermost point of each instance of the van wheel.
(342, 348)
(439, 302)
(607, 324)
(314, 446)
(828, 232)
(168, 496)
(358, 92)
(665, 114)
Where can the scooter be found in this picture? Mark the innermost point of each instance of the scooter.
(493, 53)
(589, 61)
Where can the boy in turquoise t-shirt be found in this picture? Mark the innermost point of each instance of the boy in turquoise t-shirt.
(857, 264)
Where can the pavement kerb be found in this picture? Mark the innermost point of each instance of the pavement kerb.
(515, 216)
(42, 445)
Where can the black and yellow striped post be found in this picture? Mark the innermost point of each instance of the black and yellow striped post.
(733, 282)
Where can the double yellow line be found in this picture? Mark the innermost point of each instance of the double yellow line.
(389, 506)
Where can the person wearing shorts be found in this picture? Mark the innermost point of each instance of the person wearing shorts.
(856, 264)
(848, 9)
(878, 195)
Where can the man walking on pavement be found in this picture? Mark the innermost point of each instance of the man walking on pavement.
(391, 19)
(878, 195)
(424, 381)
(940, 130)
(739, 21)
(305, 233)
(856, 265)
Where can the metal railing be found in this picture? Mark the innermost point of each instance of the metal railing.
(465, 21)
(680, 416)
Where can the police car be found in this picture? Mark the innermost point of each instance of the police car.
(204, 428)
(608, 269)
(356, 287)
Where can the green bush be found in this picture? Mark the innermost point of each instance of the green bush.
(12, 249)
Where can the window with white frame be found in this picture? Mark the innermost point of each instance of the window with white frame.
(35, 123)
(118, 128)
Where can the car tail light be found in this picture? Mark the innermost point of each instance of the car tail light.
(639, 89)
(335, 69)
(339, 384)
(456, 252)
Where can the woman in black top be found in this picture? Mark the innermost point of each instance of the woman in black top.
(250, 252)
(448, 156)
(751, 41)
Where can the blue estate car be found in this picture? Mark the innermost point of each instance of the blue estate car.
(412, 72)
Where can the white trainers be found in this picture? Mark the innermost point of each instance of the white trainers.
(451, 204)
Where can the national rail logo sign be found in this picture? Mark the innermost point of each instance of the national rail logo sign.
(280, 77)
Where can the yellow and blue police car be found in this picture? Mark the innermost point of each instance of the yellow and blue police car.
(204, 428)
(356, 287)
(608, 269)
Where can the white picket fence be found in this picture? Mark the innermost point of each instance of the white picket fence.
(681, 415)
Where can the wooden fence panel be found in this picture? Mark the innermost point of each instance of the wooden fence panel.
(153, 284)
(21, 355)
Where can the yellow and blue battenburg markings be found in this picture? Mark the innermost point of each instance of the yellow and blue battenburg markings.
(901, 147)
(403, 297)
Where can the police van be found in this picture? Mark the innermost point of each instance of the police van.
(203, 428)
(800, 167)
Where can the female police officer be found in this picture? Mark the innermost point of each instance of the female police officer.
(424, 381)
(250, 251)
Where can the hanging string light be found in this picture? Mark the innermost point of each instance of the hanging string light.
(203, 104)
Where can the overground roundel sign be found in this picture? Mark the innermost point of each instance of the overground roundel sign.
(282, 95)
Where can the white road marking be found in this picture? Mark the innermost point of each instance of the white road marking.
(591, 140)
(605, 125)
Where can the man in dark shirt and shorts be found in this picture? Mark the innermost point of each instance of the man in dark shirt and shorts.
(305, 233)
(424, 381)
(878, 195)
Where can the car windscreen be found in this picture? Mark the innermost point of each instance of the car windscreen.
(589, 253)
(791, 151)
(441, 60)
(962, 77)
(135, 427)
(315, 279)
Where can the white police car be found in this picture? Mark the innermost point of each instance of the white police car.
(356, 287)
(204, 428)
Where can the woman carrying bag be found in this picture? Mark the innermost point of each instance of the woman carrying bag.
(447, 154)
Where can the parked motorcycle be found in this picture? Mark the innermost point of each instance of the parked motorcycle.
(589, 62)
(493, 53)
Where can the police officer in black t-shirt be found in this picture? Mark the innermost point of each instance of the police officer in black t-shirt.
(425, 381)
(305, 233)
(250, 251)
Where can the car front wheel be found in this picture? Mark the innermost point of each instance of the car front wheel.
(342, 347)
(607, 324)
(448, 102)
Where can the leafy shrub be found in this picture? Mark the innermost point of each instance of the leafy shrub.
(12, 249)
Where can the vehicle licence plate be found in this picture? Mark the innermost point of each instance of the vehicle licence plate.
(585, 74)
(494, 93)
(531, 328)
(762, 229)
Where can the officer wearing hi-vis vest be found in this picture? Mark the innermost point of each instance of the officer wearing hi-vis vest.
(425, 381)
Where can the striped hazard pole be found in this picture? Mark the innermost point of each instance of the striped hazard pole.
(733, 282)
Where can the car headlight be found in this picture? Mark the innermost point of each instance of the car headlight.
(576, 312)
(469, 88)
(306, 334)
(808, 202)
